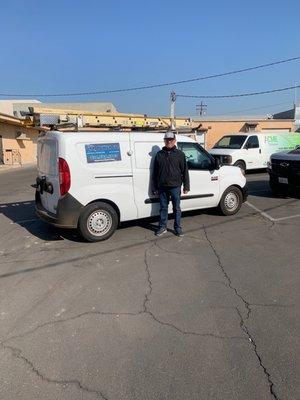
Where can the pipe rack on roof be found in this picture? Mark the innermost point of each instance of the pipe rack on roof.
(87, 119)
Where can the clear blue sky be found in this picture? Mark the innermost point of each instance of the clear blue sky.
(62, 46)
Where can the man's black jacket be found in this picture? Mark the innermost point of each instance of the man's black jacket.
(170, 169)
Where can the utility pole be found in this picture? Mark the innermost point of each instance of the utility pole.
(172, 111)
(201, 108)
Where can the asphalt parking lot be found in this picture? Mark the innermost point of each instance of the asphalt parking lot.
(212, 315)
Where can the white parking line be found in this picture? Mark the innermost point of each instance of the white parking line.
(264, 214)
(290, 217)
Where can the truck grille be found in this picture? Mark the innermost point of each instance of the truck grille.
(287, 168)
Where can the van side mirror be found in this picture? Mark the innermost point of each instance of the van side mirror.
(189, 164)
(217, 163)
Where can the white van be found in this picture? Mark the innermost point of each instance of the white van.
(253, 151)
(94, 180)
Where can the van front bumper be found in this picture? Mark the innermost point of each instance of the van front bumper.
(67, 215)
(244, 193)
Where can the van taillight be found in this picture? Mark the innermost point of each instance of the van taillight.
(64, 176)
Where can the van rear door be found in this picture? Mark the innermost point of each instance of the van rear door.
(48, 173)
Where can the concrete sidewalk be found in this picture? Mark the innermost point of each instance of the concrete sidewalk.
(6, 167)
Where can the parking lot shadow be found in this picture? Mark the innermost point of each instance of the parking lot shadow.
(23, 213)
(262, 189)
(259, 188)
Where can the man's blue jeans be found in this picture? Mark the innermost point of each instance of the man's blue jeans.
(165, 194)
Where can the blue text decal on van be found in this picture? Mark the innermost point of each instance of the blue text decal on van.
(102, 152)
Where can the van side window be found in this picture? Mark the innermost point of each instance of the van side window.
(195, 156)
(252, 143)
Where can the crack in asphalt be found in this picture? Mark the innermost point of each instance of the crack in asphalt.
(227, 277)
(146, 309)
(243, 326)
(190, 333)
(59, 321)
(149, 281)
(17, 353)
(254, 345)
(108, 251)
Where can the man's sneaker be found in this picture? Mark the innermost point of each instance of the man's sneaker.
(179, 233)
(160, 231)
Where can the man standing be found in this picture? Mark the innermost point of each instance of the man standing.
(170, 172)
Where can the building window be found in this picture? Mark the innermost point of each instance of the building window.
(249, 127)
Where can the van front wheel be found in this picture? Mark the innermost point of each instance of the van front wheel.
(97, 222)
(241, 164)
(231, 201)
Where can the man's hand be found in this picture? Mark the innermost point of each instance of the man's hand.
(185, 191)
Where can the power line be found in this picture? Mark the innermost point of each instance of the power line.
(251, 109)
(152, 86)
(237, 95)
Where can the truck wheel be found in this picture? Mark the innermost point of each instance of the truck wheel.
(97, 222)
(231, 201)
(241, 164)
(278, 188)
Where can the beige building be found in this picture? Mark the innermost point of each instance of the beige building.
(9, 106)
(214, 129)
(17, 107)
(17, 142)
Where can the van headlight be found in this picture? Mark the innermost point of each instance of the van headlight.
(226, 159)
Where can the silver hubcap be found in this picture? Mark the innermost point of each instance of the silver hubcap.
(231, 201)
(99, 223)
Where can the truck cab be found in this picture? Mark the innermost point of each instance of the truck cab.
(253, 151)
(241, 150)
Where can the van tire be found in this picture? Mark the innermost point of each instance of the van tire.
(97, 222)
(231, 201)
(241, 164)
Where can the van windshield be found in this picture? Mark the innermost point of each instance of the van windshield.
(231, 142)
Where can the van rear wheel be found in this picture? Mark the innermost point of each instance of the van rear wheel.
(97, 222)
(231, 201)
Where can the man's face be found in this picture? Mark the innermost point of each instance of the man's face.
(169, 143)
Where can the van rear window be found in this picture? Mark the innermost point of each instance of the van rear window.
(47, 157)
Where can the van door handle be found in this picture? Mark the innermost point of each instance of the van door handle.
(129, 152)
(259, 151)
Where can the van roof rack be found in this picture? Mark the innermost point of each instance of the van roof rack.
(39, 116)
